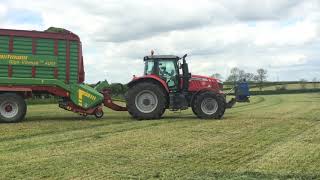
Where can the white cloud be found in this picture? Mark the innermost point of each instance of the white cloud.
(288, 59)
(217, 35)
(248, 10)
(277, 34)
(3, 10)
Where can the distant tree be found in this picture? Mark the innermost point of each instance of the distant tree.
(242, 75)
(256, 78)
(236, 74)
(303, 83)
(216, 75)
(315, 83)
(261, 77)
(249, 76)
(233, 77)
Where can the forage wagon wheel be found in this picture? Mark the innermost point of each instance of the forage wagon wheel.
(209, 105)
(13, 108)
(98, 113)
(146, 101)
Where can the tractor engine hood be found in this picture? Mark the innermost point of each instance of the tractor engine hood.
(200, 82)
(201, 78)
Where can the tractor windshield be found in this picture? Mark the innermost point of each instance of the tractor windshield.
(166, 69)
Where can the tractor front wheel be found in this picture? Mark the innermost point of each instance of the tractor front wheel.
(209, 105)
(146, 101)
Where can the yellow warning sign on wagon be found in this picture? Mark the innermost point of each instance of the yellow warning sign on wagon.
(29, 60)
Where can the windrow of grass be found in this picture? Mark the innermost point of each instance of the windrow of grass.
(273, 137)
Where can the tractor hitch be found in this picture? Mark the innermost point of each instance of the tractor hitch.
(231, 103)
(108, 102)
(102, 87)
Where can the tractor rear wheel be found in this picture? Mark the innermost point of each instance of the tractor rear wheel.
(13, 108)
(209, 105)
(146, 101)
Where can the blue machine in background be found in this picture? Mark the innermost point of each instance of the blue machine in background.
(242, 92)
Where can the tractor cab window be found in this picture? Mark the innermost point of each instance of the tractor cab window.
(168, 72)
(149, 67)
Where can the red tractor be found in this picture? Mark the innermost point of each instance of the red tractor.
(168, 84)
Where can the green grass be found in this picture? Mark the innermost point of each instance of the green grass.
(272, 87)
(273, 137)
(288, 86)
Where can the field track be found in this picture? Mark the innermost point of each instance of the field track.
(276, 136)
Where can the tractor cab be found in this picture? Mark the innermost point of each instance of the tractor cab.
(169, 69)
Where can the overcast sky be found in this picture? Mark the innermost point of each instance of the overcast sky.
(281, 36)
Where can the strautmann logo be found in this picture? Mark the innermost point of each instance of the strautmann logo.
(13, 57)
(29, 60)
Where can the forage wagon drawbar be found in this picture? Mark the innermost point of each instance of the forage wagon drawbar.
(51, 62)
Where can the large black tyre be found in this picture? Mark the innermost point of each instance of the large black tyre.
(13, 108)
(146, 101)
(209, 105)
(193, 110)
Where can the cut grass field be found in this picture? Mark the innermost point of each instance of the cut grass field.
(272, 87)
(287, 86)
(273, 137)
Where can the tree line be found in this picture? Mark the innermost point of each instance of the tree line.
(237, 74)
(260, 78)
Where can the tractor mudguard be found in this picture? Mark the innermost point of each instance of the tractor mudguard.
(149, 77)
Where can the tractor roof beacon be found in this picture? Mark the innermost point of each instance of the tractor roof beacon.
(168, 84)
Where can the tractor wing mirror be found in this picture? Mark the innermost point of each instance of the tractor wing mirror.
(184, 56)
